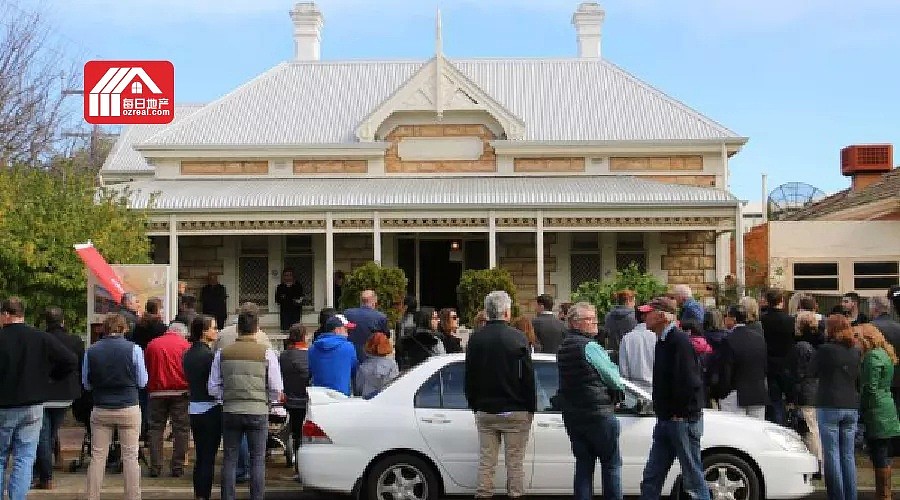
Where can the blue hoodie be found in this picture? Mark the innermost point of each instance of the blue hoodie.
(333, 363)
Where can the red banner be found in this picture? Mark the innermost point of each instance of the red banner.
(101, 269)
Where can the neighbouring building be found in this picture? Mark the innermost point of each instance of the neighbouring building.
(435, 167)
(849, 241)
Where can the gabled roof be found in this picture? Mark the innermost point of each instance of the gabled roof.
(124, 158)
(557, 99)
(416, 192)
(887, 188)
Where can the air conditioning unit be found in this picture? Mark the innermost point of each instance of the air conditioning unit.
(867, 158)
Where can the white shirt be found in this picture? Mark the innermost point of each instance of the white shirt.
(636, 354)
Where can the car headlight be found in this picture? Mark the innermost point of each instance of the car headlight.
(786, 439)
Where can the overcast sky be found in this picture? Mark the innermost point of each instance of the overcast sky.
(800, 78)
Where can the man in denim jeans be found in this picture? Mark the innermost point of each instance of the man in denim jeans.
(677, 399)
(29, 360)
(589, 385)
(245, 376)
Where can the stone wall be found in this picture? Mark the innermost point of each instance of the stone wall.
(197, 257)
(574, 164)
(688, 180)
(394, 164)
(655, 163)
(224, 167)
(352, 251)
(517, 253)
(330, 166)
(690, 259)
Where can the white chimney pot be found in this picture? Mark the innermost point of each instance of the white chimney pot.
(588, 22)
(308, 22)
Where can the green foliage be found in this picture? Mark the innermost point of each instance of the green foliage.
(474, 285)
(600, 293)
(42, 215)
(389, 284)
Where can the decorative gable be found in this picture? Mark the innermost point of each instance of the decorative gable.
(439, 86)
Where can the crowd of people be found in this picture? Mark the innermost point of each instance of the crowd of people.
(831, 377)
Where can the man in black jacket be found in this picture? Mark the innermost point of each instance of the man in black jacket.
(778, 328)
(501, 391)
(547, 327)
(30, 360)
(744, 367)
(214, 298)
(677, 398)
(589, 385)
(60, 397)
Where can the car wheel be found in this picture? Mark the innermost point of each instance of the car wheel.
(729, 477)
(402, 477)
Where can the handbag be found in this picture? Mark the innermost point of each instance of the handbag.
(795, 420)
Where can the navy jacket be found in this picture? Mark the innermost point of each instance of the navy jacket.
(367, 321)
(677, 382)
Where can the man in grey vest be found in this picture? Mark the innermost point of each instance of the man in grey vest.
(245, 376)
(589, 387)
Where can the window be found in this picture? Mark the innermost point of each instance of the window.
(137, 88)
(253, 271)
(815, 276)
(547, 384)
(630, 250)
(584, 261)
(875, 275)
(445, 389)
(298, 255)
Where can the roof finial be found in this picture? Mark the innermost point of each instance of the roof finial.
(439, 37)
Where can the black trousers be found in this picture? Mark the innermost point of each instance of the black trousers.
(297, 416)
(207, 431)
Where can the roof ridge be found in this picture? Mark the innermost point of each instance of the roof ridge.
(215, 102)
(668, 98)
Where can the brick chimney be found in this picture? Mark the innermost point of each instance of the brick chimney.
(865, 164)
(308, 22)
(588, 22)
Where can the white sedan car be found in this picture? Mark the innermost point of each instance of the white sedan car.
(417, 440)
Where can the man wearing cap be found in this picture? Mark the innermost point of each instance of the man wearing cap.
(332, 357)
(677, 399)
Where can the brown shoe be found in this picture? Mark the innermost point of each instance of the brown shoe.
(883, 484)
(44, 485)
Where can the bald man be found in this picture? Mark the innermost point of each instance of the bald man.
(367, 319)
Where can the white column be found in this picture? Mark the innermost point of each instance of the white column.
(329, 260)
(727, 185)
(173, 268)
(376, 237)
(539, 235)
(739, 248)
(492, 240)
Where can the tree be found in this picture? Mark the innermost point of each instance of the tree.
(475, 284)
(42, 215)
(600, 293)
(33, 76)
(389, 284)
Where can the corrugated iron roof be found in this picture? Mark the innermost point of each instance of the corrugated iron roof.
(558, 99)
(886, 188)
(419, 192)
(123, 157)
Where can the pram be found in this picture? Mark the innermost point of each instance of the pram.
(279, 435)
(81, 410)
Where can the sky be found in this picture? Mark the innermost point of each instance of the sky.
(800, 78)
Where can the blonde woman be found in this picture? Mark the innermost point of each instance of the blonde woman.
(877, 406)
(803, 383)
(752, 307)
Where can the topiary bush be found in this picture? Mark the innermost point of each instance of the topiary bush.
(600, 293)
(389, 284)
(475, 284)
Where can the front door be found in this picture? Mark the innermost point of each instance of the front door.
(439, 274)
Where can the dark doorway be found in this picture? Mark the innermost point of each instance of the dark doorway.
(439, 276)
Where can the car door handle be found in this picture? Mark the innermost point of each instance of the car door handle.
(552, 424)
(435, 420)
